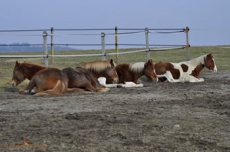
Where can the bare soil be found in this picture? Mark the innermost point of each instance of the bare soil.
(160, 117)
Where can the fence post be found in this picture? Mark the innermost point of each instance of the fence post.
(45, 48)
(103, 46)
(187, 43)
(116, 43)
(147, 42)
(52, 45)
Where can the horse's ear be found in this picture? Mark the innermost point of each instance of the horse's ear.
(150, 60)
(112, 63)
(210, 54)
(16, 63)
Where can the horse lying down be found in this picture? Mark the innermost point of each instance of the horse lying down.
(102, 81)
(103, 69)
(187, 71)
(130, 73)
(52, 81)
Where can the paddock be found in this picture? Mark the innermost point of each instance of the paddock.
(156, 117)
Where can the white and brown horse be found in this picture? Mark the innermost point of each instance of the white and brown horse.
(187, 71)
(132, 72)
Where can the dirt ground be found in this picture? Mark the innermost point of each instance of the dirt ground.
(157, 117)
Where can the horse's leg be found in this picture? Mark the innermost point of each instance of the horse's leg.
(169, 77)
(194, 79)
(76, 90)
(135, 79)
(102, 80)
(28, 88)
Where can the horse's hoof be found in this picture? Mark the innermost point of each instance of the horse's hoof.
(119, 85)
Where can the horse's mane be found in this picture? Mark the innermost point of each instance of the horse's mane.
(97, 66)
(31, 64)
(137, 67)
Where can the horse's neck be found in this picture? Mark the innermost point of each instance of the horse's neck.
(197, 61)
(31, 71)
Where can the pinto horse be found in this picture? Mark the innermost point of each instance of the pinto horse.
(132, 72)
(103, 69)
(187, 71)
(83, 78)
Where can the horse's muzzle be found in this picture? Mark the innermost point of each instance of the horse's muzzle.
(115, 81)
(13, 83)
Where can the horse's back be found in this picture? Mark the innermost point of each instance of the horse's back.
(122, 69)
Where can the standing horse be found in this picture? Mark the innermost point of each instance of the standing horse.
(83, 78)
(24, 71)
(132, 72)
(103, 69)
(187, 71)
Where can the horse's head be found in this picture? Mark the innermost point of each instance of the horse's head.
(149, 70)
(18, 75)
(210, 63)
(111, 73)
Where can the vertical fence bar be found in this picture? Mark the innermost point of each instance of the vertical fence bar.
(103, 46)
(187, 43)
(116, 43)
(147, 42)
(52, 45)
(45, 48)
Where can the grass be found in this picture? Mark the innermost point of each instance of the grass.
(221, 55)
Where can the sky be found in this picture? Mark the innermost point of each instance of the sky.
(208, 20)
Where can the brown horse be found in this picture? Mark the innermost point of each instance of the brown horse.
(187, 71)
(83, 78)
(132, 72)
(24, 71)
(28, 70)
(103, 69)
(48, 81)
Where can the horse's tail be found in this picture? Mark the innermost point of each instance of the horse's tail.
(59, 88)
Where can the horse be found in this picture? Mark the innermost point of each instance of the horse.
(186, 71)
(132, 72)
(24, 71)
(48, 81)
(83, 78)
(103, 69)
(28, 70)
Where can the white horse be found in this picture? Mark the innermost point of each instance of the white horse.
(187, 71)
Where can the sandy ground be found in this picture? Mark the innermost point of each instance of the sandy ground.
(157, 117)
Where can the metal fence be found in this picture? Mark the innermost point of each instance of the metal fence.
(115, 32)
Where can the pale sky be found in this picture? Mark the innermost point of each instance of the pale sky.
(208, 20)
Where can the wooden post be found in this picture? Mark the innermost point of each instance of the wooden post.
(116, 43)
(52, 45)
(45, 48)
(147, 42)
(187, 43)
(103, 45)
